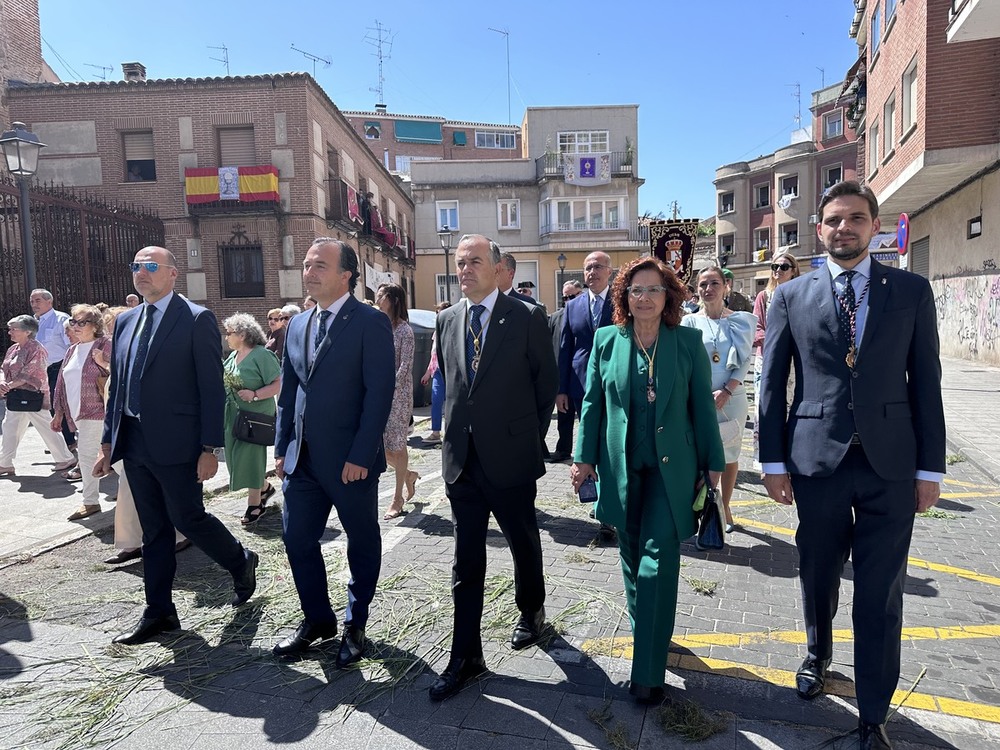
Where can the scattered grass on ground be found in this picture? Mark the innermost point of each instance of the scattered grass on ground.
(578, 558)
(954, 458)
(701, 586)
(689, 720)
(616, 731)
(937, 513)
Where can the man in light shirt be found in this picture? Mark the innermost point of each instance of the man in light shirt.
(52, 336)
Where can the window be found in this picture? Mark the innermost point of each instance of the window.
(832, 175)
(910, 96)
(761, 195)
(872, 144)
(727, 244)
(889, 126)
(242, 270)
(373, 131)
(876, 36)
(833, 124)
(447, 213)
(495, 139)
(762, 239)
(581, 214)
(890, 11)
(140, 158)
(442, 295)
(404, 163)
(790, 186)
(509, 214)
(583, 142)
(790, 233)
(236, 147)
(727, 202)
(458, 138)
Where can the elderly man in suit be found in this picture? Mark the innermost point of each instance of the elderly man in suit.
(336, 392)
(861, 447)
(500, 376)
(564, 419)
(165, 419)
(505, 280)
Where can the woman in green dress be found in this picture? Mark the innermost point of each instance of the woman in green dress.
(253, 379)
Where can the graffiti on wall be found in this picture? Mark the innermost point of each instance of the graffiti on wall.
(968, 309)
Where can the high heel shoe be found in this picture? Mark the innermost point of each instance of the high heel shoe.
(411, 484)
(395, 509)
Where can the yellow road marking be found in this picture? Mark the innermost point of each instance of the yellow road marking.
(954, 495)
(970, 485)
(747, 503)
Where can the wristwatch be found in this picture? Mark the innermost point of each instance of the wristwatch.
(217, 452)
(255, 397)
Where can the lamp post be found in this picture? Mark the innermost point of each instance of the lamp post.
(445, 238)
(20, 149)
(561, 260)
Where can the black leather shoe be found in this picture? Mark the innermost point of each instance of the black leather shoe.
(811, 678)
(528, 630)
(645, 695)
(352, 646)
(124, 555)
(303, 637)
(873, 737)
(148, 628)
(246, 582)
(456, 674)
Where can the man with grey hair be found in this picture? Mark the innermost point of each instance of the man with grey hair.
(291, 310)
(52, 336)
(132, 300)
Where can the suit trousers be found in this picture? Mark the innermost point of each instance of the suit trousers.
(854, 514)
(473, 498)
(307, 505)
(169, 497)
(651, 565)
(564, 424)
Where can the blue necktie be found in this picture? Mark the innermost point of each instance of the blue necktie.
(473, 344)
(139, 361)
(320, 330)
(596, 315)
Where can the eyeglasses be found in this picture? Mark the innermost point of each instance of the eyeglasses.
(277, 317)
(73, 322)
(286, 317)
(150, 265)
(638, 291)
(594, 267)
(781, 266)
(568, 297)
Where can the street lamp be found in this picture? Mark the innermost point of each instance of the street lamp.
(445, 237)
(20, 150)
(561, 260)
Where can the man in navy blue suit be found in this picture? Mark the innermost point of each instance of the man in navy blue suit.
(165, 420)
(505, 280)
(338, 378)
(861, 447)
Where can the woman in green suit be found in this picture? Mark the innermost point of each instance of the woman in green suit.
(648, 429)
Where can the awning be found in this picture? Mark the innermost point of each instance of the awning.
(414, 131)
(458, 137)
(883, 241)
(857, 72)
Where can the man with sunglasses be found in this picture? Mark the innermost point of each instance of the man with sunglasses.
(165, 419)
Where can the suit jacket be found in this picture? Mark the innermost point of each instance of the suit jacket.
(182, 398)
(555, 330)
(577, 341)
(341, 403)
(687, 427)
(509, 403)
(523, 297)
(892, 399)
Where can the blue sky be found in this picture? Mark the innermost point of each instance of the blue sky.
(713, 78)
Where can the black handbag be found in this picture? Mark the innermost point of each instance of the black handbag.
(254, 427)
(20, 399)
(711, 530)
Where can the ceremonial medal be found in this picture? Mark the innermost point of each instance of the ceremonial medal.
(850, 356)
(475, 363)
(716, 358)
(650, 360)
(650, 393)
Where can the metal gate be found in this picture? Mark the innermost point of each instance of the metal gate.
(81, 247)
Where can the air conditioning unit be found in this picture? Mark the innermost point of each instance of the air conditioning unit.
(814, 219)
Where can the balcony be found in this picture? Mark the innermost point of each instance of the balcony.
(626, 231)
(343, 208)
(973, 19)
(232, 190)
(552, 165)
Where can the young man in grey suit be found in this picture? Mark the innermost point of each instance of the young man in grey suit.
(501, 378)
(861, 447)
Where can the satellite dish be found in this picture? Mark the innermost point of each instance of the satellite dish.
(784, 202)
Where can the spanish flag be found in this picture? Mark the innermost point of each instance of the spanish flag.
(243, 184)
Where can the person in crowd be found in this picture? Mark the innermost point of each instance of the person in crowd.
(164, 419)
(288, 312)
(648, 396)
(391, 299)
(735, 301)
(132, 300)
(505, 279)
(861, 447)
(435, 377)
(564, 419)
(690, 304)
(337, 386)
(784, 267)
(728, 339)
(24, 369)
(54, 339)
(79, 398)
(501, 381)
(253, 379)
(309, 302)
(276, 323)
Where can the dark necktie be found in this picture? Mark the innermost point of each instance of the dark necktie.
(320, 330)
(139, 361)
(473, 343)
(596, 314)
(846, 304)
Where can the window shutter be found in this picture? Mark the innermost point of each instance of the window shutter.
(236, 147)
(920, 257)
(139, 146)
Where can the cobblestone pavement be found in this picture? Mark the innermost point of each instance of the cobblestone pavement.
(737, 642)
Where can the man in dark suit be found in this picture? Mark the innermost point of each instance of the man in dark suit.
(338, 377)
(165, 419)
(564, 419)
(861, 447)
(505, 280)
(500, 377)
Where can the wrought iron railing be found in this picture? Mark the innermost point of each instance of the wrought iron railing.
(636, 231)
(553, 165)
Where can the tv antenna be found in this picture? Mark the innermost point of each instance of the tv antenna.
(797, 93)
(506, 35)
(105, 69)
(225, 56)
(382, 42)
(327, 62)
(822, 77)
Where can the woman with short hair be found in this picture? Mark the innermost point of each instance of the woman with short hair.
(276, 324)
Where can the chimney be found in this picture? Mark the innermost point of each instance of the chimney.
(380, 109)
(134, 72)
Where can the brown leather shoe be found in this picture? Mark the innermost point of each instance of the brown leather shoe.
(84, 511)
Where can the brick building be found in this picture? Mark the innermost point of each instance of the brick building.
(20, 49)
(770, 202)
(926, 92)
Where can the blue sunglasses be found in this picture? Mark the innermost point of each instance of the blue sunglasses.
(150, 265)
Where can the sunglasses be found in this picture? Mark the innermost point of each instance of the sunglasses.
(286, 317)
(150, 265)
(568, 297)
(781, 267)
(277, 318)
(74, 323)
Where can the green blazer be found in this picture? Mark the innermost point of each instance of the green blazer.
(687, 427)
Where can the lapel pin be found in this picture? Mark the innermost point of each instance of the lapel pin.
(883, 280)
(501, 321)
